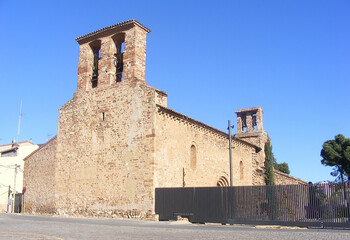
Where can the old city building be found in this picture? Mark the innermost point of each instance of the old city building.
(117, 141)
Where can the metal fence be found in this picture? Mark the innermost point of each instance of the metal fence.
(312, 205)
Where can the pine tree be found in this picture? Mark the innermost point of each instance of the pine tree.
(336, 153)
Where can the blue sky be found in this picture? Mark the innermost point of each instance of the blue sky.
(292, 58)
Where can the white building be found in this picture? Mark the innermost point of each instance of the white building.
(11, 170)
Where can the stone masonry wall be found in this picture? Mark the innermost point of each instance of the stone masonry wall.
(259, 140)
(285, 179)
(174, 138)
(105, 151)
(39, 179)
(280, 178)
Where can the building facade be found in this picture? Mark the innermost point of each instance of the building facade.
(117, 141)
(11, 171)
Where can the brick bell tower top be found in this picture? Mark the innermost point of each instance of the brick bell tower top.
(112, 55)
(250, 127)
(249, 120)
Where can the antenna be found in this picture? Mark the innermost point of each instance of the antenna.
(19, 120)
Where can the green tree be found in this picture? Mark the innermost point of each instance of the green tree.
(271, 193)
(269, 178)
(282, 167)
(336, 153)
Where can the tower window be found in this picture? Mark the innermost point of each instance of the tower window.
(254, 123)
(119, 41)
(244, 123)
(96, 51)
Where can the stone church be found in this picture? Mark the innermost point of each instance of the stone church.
(117, 140)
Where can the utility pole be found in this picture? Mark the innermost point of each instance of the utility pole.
(8, 199)
(183, 177)
(14, 183)
(230, 150)
(14, 188)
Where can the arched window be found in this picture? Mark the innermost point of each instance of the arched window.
(241, 170)
(119, 41)
(193, 160)
(96, 51)
(222, 182)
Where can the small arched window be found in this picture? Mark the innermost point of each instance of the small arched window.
(193, 160)
(241, 170)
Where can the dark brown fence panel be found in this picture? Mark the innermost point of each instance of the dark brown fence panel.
(302, 205)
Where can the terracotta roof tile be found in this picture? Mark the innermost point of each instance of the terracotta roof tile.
(131, 21)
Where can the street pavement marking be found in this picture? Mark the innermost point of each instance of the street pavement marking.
(31, 234)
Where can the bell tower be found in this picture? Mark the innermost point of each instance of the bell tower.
(249, 120)
(112, 55)
(250, 126)
(250, 129)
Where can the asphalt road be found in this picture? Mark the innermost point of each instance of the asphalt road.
(41, 227)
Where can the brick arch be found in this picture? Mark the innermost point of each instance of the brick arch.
(222, 182)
